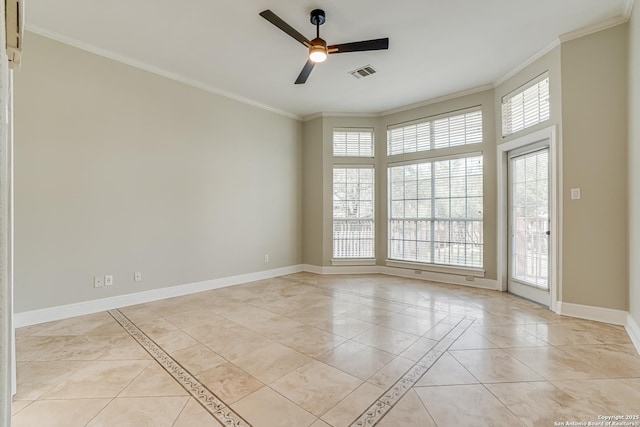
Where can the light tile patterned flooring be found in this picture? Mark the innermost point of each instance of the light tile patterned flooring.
(309, 350)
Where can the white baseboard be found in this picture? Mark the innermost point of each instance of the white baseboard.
(309, 268)
(28, 318)
(588, 312)
(633, 329)
(342, 269)
(33, 317)
(453, 279)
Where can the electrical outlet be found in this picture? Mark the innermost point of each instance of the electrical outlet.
(108, 280)
(98, 281)
(575, 194)
(470, 278)
(417, 271)
(266, 258)
(137, 276)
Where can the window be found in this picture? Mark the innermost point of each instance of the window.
(353, 142)
(435, 212)
(424, 135)
(435, 203)
(526, 107)
(353, 212)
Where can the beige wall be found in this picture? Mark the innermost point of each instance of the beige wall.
(118, 170)
(594, 139)
(313, 237)
(634, 162)
(312, 192)
(317, 196)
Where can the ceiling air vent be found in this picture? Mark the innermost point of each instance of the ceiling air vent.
(365, 71)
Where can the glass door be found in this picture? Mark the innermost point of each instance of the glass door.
(529, 223)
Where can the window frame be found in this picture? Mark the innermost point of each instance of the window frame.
(431, 120)
(359, 260)
(520, 90)
(450, 152)
(477, 271)
(353, 130)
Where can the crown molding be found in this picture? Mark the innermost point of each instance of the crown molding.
(406, 107)
(581, 32)
(594, 28)
(312, 117)
(431, 101)
(323, 114)
(548, 48)
(154, 70)
(628, 8)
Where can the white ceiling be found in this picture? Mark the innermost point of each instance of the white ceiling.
(437, 47)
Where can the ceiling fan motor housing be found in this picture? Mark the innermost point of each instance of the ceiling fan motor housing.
(318, 17)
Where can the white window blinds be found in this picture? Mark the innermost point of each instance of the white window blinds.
(433, 134)
(353, 212)
(526, 107)
(353, 142)
(436, 212)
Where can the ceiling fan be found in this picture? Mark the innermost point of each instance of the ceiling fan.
(318, 49)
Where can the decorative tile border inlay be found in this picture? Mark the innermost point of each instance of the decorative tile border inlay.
(378, 409)
(212, 403)
(370, 417)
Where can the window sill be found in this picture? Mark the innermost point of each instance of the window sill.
(353, 261)
(463, 271)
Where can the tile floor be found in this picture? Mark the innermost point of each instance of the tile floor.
(309, 350)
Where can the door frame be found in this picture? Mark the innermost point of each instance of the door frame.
(555, 185)
(514, 285)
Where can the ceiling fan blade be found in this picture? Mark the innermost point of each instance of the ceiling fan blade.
(304, 74)
(275, 20)
(376, 44)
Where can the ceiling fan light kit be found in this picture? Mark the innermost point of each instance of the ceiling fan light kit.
(318, 49)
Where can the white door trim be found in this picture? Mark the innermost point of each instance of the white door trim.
(6, 297)
(549, 133)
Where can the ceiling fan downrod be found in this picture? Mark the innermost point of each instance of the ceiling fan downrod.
(318, 51)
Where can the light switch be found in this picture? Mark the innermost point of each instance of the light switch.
(575, 194)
